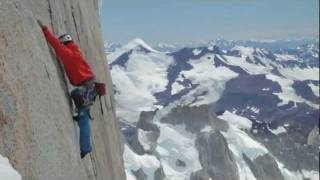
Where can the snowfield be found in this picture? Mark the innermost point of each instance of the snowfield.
(134, 162)
(240, 142)
(315, 89)
(288, 93)
(285, 57)
(7, 172)
(301, 73)
(248, 67)
(212, 84)
(138, 81)
(181, 147)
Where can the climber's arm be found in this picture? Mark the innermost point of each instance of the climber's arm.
(59, 48)
(54, 41)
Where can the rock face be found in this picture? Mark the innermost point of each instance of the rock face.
(216, 159)
(140, 174)
(142, 139)
(37, 132)
(264, 167)
(133, 140)
(180, 163)
(292, 150)
(150, 130)
(159, 174)
(200, 175)
(314, 137)
(195, 118)
(146, 122)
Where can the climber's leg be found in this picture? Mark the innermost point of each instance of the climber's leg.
(85, 132)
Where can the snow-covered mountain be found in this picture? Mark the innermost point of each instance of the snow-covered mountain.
(111, 47)
(223, 44)
(270, 45)
(242, 113)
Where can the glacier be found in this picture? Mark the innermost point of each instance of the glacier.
(250, 95)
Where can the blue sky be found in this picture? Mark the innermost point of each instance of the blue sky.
(183, 21)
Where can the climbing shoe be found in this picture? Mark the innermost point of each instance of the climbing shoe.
(76, 118)
(83, 154)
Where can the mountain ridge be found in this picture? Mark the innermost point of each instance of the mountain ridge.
(259, 94)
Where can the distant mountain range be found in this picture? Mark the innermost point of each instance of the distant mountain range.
(269, 45)
(253, 104)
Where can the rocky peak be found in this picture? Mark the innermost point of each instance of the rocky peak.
(217, 162)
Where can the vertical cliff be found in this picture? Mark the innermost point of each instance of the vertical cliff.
(37, 132)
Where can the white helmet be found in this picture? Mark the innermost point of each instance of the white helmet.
(65, 38)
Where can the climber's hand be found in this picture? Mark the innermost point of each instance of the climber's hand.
(40, 23)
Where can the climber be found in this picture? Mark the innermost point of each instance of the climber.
(80, 75)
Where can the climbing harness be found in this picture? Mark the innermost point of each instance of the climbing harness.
(85, 96)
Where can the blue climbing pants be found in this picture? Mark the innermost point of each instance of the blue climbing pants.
(85, 131)
(84, 97)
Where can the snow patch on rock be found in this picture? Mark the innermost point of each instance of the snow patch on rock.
(136, 84)
(279, 130)
(210, 85)
(133, 162)
(240, 142)
(139, 42)
(244, 51)
(314, 88)
(300, 73)
(235, 120)
(288, 93)
(285, 57)
(176, 143)
(176, 88)
(7, 172)
(196, 52)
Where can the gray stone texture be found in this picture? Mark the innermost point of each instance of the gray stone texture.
(134, 142)
(180, 163)
(139, 174)
(215, 157)
(159, 174)
(146, 121)
(293, 153)
(37, 132)
(195, 118)
(314, 137)
(151, 130)
(264, 167)
(200, 175)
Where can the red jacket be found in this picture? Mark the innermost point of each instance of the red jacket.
(71, 57)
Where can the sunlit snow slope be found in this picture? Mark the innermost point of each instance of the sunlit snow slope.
(196, 112)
